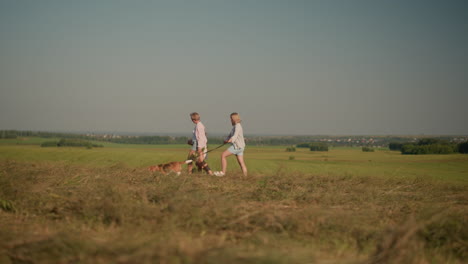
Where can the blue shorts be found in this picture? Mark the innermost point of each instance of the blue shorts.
(237, 152)
(194, 145)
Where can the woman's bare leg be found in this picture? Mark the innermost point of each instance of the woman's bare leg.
(240, 160)
(225, 154)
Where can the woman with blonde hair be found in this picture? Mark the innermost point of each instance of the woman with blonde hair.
(199, 143)
(236, 139)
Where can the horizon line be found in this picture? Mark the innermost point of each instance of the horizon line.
(222, 134)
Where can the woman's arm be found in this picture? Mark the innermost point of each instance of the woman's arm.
(237, 131)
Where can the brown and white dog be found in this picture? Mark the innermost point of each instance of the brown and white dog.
(174, 166)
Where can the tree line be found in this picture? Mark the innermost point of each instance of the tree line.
(71, 142)
(314, 146)
(429, 146)
(393, 142)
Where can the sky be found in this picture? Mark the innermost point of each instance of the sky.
(305, 67)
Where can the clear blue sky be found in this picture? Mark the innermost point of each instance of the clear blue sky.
(288, 67)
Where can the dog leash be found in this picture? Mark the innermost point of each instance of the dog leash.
(189, 160)
(215, 148)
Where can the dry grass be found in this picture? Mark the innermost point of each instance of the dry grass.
(60, 213)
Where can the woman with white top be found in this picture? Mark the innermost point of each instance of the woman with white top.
(236, 138)
(199, 145)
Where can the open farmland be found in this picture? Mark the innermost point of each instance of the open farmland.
(102, 205)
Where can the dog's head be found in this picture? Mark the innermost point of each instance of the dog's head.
(155, 168)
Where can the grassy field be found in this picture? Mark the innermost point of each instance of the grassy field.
(101, 205)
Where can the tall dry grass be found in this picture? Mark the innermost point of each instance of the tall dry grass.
(59, 213)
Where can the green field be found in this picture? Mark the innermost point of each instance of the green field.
(260, 160)
(102, 205)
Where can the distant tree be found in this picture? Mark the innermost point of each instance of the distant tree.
(408, 149)
(428, 149)
(9, 134)
(367, 149)
(463, 147)
(318, 146)
(395, 146)
(290, 149)
(76, 143)
(49, 144)
(432, 141)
